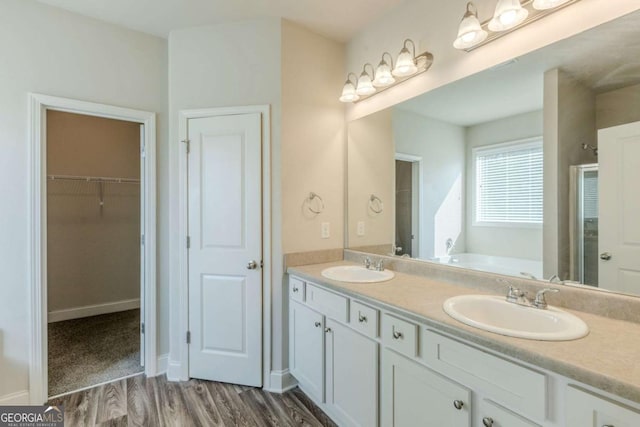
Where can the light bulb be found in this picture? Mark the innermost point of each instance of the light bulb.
(383, 76)
(349, 92)
(470, 32)
(405, 64)
(508, 14)
(365, 86)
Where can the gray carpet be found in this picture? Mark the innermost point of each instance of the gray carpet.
(92, 350)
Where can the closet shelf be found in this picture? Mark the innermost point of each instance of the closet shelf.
(93, 179)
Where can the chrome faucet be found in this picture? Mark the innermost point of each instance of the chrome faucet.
(516, 296)
(379, 266)
(367, 262)
(556, 279)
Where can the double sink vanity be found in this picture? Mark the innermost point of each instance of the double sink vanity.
(375, 347)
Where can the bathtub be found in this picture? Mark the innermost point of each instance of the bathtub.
(494, 264)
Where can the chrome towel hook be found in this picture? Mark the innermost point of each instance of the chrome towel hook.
(375, 204)
(309, 201)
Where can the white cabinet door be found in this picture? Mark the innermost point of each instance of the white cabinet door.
(352, 375)
(306, 349)
(588, 410)
(414, 396)
(619, 206)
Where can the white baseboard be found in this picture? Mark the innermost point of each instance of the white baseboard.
(17, 398)
(282, 381)
(162, 364)
(93, 310)
(174, 370)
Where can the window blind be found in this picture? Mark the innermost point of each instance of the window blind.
(509, 183)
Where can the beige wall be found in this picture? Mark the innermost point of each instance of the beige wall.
(618, 107)
(313, 139)
(93, 253)
(371, 153)
(569, 121)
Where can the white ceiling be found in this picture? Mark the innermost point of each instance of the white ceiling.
(604, 58)
(336, 19)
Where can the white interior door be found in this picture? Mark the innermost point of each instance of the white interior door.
(225, 231)
(619, 228)
(143, 192)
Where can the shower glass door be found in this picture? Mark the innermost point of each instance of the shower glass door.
(585, 223)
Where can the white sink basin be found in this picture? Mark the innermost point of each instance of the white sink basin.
(357, 274)
(494, 314)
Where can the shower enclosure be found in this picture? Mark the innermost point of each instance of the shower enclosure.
(584, 224)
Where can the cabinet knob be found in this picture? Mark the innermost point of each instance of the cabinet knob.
(608, 425)
(327, 330)
(318, 324)
(458, 404)
(295, 289)
(487, 422)
(362, 318)
(397, 335)
(605, 256)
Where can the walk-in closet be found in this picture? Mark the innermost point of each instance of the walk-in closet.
(93, 250)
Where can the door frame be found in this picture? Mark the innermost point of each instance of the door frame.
(418, 208)
(37, 167)
(179, 369)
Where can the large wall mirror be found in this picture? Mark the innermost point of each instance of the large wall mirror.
(530, 169)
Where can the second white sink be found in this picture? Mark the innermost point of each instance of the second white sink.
(494, 314)
(357, 274)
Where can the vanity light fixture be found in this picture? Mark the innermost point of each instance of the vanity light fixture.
(349, 89)
(387, 74)
(470, 32)
(365, 84)
(509, 15)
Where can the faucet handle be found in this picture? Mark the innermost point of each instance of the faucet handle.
(379, 266)
(540, 301)
(514, 294)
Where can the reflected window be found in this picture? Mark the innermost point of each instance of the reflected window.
(508, 183)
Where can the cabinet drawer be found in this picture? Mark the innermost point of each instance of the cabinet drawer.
(400, 335)
(494, 415)
(326, 302)
(364, 319)
(296, 289)
(585, 409)
(513, 386)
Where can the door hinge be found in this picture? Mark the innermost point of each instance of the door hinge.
(188, 337)
(188, 242)
(188, 145)
(142, 328)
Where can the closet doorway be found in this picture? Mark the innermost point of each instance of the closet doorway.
(93, 287)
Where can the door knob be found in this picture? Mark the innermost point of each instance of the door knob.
(252, 265)
(605, 256)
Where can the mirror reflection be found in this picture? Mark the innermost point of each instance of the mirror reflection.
(527, 169)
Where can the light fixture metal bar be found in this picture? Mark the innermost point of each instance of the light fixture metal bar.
(423, 62)
(534, 15)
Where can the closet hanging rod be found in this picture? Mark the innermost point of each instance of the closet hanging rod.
(93, 179)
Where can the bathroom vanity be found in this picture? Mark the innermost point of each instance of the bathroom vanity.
(386, 354)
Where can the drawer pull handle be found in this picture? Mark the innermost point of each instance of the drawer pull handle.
(318, 324)
(295, 289)
(458, 404)
(362, 318)
(608, 425)
(397, 335)
(327, 330)
(487, 422)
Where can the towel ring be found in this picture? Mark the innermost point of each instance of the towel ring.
(310, 199)
(375, 204)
